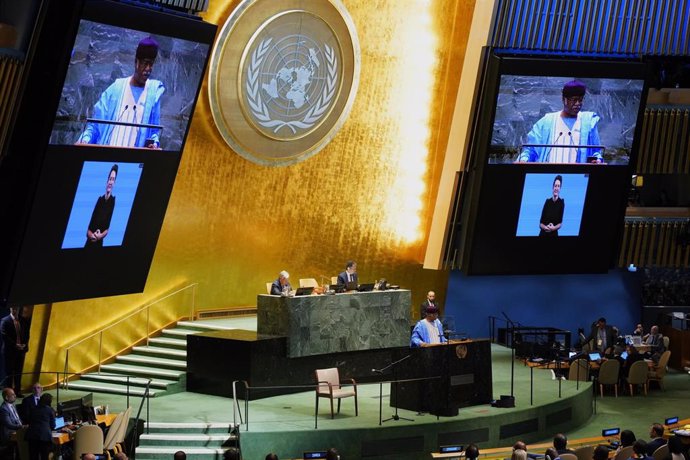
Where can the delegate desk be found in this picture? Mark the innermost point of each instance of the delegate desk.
(322, 324)
(458, 373)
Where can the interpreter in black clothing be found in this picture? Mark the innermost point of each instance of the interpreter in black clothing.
(41, 424)
(552, 212)
(627, 362)
(102, 213)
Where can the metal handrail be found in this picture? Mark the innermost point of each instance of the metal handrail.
(146, 308)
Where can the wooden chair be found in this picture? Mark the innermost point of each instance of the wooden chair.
(638, 376)
(334, 280)
(88, 439)
(625, 452)
(117, 431)
(584, 452)
(329, 386)
(666, 341)
(268, 288)
(579, 370)
(659, 372)
(568, 457)
(608, 375)
(308, 282)
(661, 453)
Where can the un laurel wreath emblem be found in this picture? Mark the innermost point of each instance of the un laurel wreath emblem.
(283, 79)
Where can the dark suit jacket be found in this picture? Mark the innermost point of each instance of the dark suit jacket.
(342, 278)
(28, 404)
(9, 335)
(610, 336)
(654, 444)
(277, 289)
(41, 424)
(7, 425)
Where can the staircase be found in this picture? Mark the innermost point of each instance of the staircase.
(163, 360)
(200, 441)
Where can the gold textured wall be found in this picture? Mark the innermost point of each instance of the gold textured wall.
(231, 225)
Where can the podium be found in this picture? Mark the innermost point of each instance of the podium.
(442, 378)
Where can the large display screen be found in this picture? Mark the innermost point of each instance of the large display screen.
(551, 155)
(126, 96)
(563, 119)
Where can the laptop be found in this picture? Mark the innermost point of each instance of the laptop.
(636, 340)
(595, 356)
(351, 286)
(304, 291)
(366, 287)
(624, 355)
(337, 288)
(59, 422)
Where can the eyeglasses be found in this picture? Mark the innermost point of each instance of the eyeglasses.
(575, 99)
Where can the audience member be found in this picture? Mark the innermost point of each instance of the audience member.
(560, 443)
(519, 454)
(655, 340)
(332, 454)
(656, 433)
(233, 453)
(633, 356)
(120, 456)
(551, 454)
(520, 445)
(271, 456)
(640, 450)
(88, 457)
(677, 449)
(180, 455)
(627, 439)
(472, 452)
(639, 330)
(601, 453)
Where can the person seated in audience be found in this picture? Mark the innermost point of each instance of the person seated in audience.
(601, 452)
(626, 363)
(180, 455)
(233, 453)
(332, 454)
(519, 454)
(627, 439)
(640, 450)
(120, 456)
(271, 456)
(677, 449)
(88, 457)
(602, 336)
(639, 330)
(560, 443)
(472, 452)
(656, 433)
(655, 340)
(551, 454)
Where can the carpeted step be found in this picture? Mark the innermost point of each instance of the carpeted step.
(142, 371)
(101, 387)
(160, 352)
(152, 361)
(189, 427)
(133, 381)
(169, 342)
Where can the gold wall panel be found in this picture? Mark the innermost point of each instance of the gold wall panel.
(232, 225)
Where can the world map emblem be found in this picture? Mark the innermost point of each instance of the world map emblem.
(289, 91)
(291, 84)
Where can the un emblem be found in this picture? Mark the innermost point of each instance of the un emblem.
(287, 93)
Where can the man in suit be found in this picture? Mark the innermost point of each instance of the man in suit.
(31, 401)
(41, 424)
(15, 341)
(604, 337)
(429, 302)
(9, 422)
(350, 273)
(281, 286)
(656, 432)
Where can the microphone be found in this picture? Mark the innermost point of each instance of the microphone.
(134, 129)
(558, 137)
(123, 112)
(376, 371)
